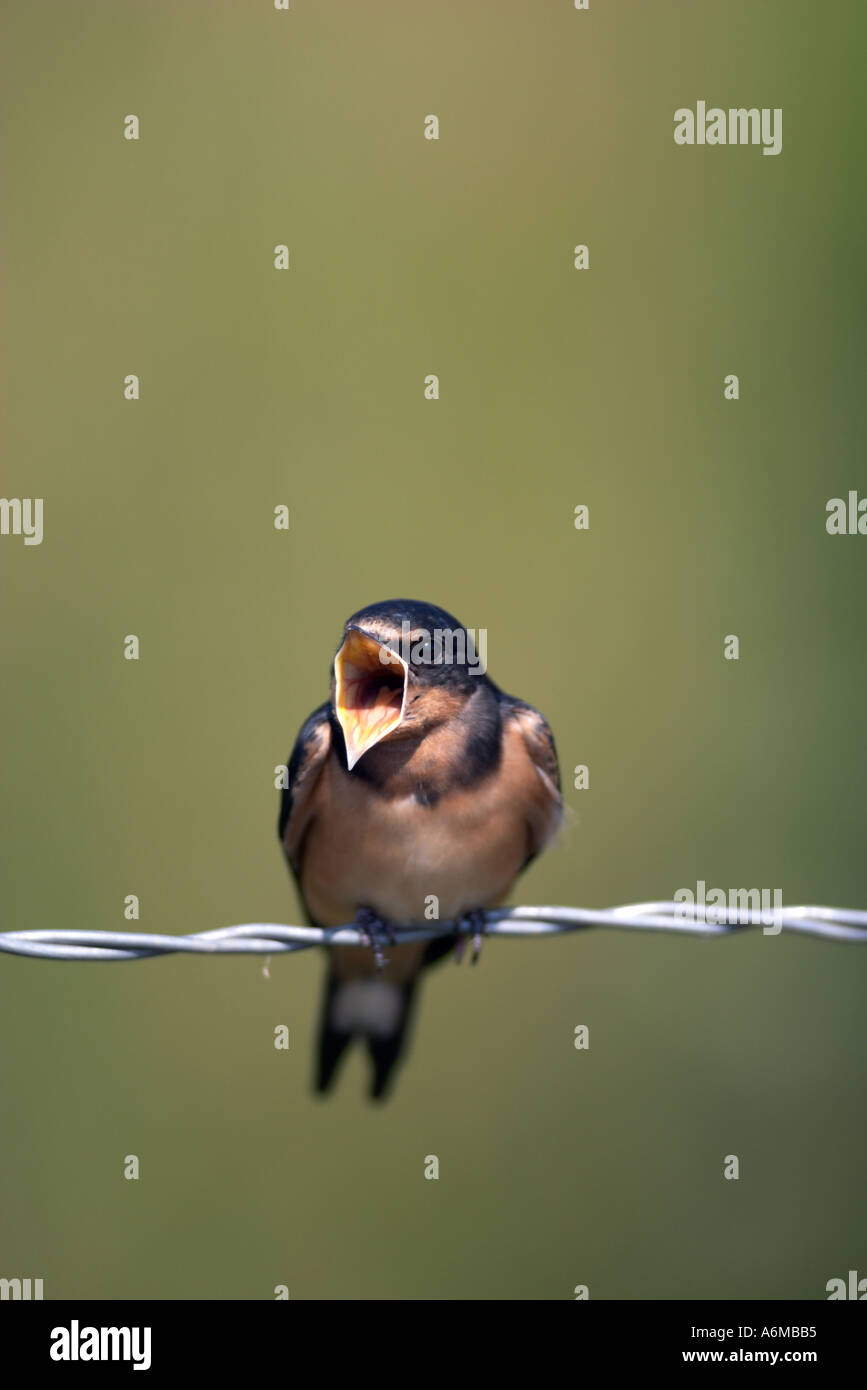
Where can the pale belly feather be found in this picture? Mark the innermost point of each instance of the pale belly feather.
(394, 856)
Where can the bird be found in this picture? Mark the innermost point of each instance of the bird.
(418, 791)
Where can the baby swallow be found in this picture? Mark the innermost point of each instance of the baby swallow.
(419, 791)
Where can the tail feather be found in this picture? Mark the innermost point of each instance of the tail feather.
(332, 1045)
(385, 1053)
(375, 1006)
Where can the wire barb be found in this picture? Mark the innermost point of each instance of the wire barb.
(268, 938)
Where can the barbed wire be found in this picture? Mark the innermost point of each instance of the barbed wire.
(269, 938)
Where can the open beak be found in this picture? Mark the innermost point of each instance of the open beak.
(370, 692)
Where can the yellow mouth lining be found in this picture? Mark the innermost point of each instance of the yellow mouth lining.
(370, 693)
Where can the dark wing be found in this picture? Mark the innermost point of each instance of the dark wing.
(546, 808)
(312, 747)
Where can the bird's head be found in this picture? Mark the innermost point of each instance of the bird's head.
(402, 668)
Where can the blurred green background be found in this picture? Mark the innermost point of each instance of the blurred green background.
(558, 387)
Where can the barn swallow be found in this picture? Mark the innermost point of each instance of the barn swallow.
(418, 789)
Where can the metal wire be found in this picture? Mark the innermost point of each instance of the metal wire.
(267, 938)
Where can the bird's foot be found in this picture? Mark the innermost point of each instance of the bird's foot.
(473, 925)
(375, 932)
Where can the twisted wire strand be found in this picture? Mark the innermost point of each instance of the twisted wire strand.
(270, 938)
